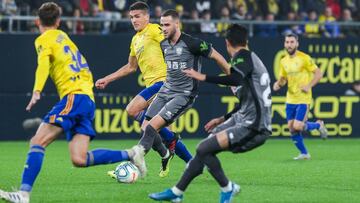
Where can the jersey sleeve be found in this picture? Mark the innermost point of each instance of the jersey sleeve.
(282, 70)
(234, 79)
(310, 64)
(242, 64)
(44, 52)
(132, 48)
(200, 47)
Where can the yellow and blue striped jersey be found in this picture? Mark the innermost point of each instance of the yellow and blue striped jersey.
(59, 57)
(298, 71)
(145, 46)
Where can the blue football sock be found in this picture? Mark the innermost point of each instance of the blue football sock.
(180, 149)
(32, 167)
(299, 143)
(105, 156)
(141, 116)
(182, 152)
(167, 135)
(312, 126)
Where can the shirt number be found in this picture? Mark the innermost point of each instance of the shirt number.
(77, 60)
(265, 81)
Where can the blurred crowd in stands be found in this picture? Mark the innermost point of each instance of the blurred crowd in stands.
(322, 15)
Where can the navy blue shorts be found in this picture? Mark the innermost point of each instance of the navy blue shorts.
(74, 114)
(149, 92)
(296, 112)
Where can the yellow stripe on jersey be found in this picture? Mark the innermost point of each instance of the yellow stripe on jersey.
(145, 46)
(298, 71)
(69, 105)
(59, 58)
(52, 119)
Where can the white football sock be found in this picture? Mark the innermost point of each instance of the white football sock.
(177, 191)
(227, 188)
(166, 155)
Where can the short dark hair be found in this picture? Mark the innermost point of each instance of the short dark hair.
(237, 35)
(170, 12)
(139, 5)
(291, 34)
(48, 13)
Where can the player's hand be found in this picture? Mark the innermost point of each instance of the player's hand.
(213, 123)
(276, 86)
(194, 74)
(101, 83)
(306, 88)
(34, 99)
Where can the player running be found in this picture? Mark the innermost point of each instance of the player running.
(301, 73)
(145, 53)
(181, 51)
(73, 115)
(245, 128)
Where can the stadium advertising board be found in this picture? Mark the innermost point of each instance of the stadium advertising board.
(338, 59)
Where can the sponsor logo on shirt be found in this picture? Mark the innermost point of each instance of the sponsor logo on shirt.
(179, 51)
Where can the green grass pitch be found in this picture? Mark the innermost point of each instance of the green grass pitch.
(267, 174)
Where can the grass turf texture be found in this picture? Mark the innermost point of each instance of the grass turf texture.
(267, 174)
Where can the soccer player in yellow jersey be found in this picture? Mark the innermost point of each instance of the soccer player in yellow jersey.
(146, 53)
(73, 115)
(299, 71)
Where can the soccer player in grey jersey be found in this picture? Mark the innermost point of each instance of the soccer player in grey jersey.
(181, 51)
(242, 130)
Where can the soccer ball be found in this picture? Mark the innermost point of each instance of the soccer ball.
(126, 172)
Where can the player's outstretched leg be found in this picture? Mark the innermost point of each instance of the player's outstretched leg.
(150, 139)
(318, 125)
(172, 142)
(133, 155)
(106, 156)
(45, 135)
(299, 143)
(125, 155)
(81, 157)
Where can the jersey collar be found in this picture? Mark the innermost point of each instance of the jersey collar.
(178, 40)
(146, 28)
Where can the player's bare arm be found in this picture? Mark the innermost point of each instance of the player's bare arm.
(280, 83)
(125, 70)
(317, 77)
(41, 75)
(34, 99)
(213, 123)
(194, 74)
(220, 60)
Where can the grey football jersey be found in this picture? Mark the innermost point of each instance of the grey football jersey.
(254, 93)
(185, 53)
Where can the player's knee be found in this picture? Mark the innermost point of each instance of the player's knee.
(132, 112)
(291, 127)
(39, 140)
(201, 149)
(78, 161)
(298, 126)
